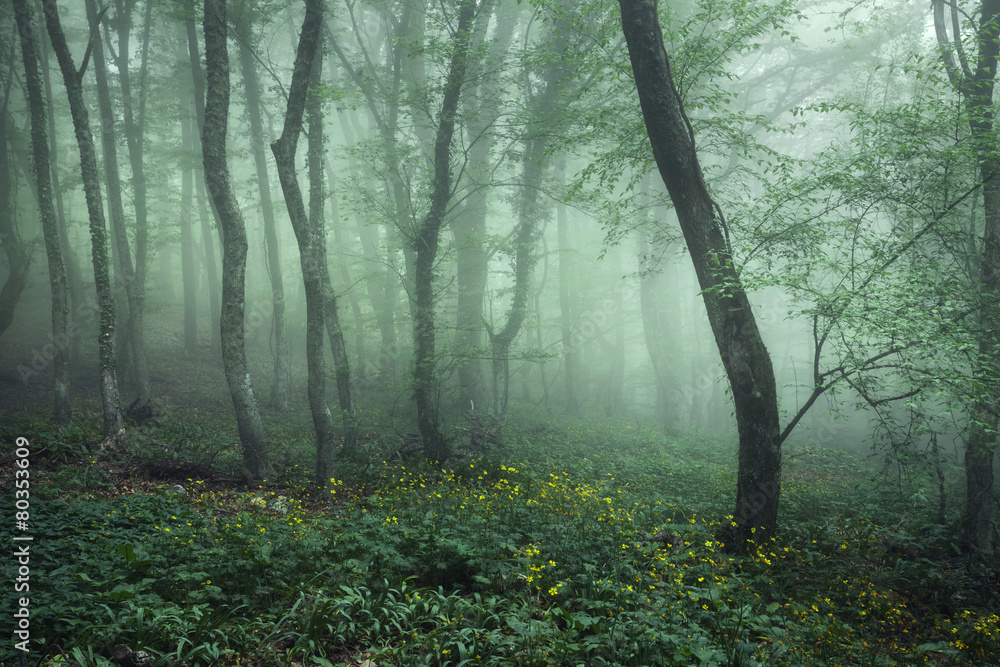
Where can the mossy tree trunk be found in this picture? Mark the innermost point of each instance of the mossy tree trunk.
(426, 243)
(234, 244)
(114, 420)
(16, 253)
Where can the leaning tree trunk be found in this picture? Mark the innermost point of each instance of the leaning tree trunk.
(426, 244)
(282, 364)
(746, 360)
(57, 271)
(320, 306)
(234, 244)
(114, 421)
(109, 142)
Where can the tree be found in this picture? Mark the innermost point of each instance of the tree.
(321, 304)
(53, 251)
(744, 356)
(427, 237)
(114, 420)
(17, 251)
(975, 85)
(282, 363)
(234, 242)
(133, 292)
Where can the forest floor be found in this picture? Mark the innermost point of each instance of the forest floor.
(571, 542)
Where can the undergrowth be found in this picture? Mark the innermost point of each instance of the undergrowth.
(572, 545)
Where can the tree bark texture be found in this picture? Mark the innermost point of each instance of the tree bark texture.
(234, 250)
(62, 414)
(282, 362)
(17, 251)
(976, 86)
(311, 240)
(114, 421)
(426, 243)
(139, 370)
(744, 357)
(198, 95)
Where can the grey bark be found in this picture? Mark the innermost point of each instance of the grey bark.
(133, 293)
(282, 362)
(208, 240)
(17, 251)
(976, 87)
(114, 423)
(426, 244)
(744, 356)
(309, 233)
(234, 252)
(62, 414)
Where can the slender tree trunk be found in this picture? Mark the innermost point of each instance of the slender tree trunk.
(744, 356)
(74, 277)
(482, 108)
(654, 336)
(109, 142)
(62, 414)
(976, 89)
(317, 193)
(114, 421)
(345, 275)
(134, 127)
(17, 251)
(282, 363)
(310, 236)
(188, 266)
(208, 241)
(234, 254)
(570, 350)
(426, 246)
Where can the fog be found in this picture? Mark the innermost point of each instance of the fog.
(830, 137)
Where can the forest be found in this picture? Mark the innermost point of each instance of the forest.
(500, 332)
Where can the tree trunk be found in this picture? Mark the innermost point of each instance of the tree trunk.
(533, 166)
(211, 267)
(234, 247)
(976, 86)
(188, 267)
(62, 414)
(282, 363)
(317, 193)
(570, 350)
(134, 128)
(426, 245)
(483, 106)
(109, 142)
(114, 422)
(655, 337)
(310, 236)
(74, 277)
(17, 251)
(746, 360)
